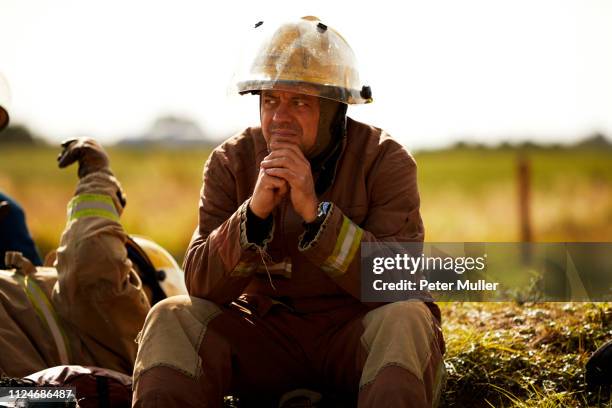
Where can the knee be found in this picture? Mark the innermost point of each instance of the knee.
(403, 334)
(401, 318)
(172, 334)
(177, 307)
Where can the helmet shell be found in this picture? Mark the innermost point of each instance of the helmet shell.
(303, 56)
(170, 276)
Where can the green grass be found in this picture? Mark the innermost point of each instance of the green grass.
(477, 170)
(472, 194)
(162, 189)
(466, 194)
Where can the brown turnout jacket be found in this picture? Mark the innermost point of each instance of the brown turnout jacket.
(373, 190)
(92, 296)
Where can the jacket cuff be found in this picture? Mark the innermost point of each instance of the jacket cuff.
(335, 244)
(97, 194)
(312, 232)
(255, 233)
(258, 229)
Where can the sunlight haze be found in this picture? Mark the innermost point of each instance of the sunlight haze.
(440, 71)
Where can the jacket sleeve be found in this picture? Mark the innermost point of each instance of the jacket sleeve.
(393, 216)
(98, 290)
(221, 261)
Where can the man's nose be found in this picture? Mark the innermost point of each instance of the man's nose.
(282, 113)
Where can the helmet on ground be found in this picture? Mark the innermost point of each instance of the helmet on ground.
(303, 56)
(5, 97)
(158, 269)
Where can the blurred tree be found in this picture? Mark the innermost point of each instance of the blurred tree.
(595, 141)
(18, 134)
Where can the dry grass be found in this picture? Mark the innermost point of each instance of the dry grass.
(531, 355)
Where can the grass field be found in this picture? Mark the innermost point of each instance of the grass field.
(499, 354)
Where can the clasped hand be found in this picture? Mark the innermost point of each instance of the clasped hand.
(285, 170)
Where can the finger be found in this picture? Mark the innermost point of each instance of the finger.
(66, 147)
(295, 155)
(285, 138)
(278, 145)
(282, 161)
(285, 174)
(269, 181)
(284, 188)
(67, 142)
(68, 156)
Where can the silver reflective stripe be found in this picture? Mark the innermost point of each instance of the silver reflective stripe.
(284, 268)
(346, 245)
(345, 249)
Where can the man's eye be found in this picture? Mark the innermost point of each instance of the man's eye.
(300, 102)
(269, 101)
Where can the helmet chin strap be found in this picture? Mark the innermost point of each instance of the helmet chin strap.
(148, 273)
(331, 131)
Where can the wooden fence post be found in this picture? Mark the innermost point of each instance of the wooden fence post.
(524, 190)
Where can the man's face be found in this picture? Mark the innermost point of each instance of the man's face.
(291, 117)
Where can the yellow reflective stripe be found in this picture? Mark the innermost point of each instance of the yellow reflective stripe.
(346, 246)
(92, 205)
(91, 197)
(47, 314)
(94, 213)
(339, 241)
(61, 341)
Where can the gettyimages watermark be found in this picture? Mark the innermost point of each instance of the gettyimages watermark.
(486, 272)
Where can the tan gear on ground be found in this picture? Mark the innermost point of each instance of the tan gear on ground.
(303, 56)
(170, 276)
(5, 97)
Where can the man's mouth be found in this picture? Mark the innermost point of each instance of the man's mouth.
(287, 133)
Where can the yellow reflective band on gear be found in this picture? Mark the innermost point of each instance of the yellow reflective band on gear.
(47, 314)
(92, 205)
(346, 246)
(339, 241)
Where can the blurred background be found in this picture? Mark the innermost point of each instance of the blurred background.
(507, 107)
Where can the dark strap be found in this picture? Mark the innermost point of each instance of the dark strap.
(103, 394)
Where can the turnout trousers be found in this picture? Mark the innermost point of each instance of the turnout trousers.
(193, 352)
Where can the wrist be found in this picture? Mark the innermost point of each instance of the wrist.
(257, 212)
(311, 213)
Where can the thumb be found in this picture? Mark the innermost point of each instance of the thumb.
(69, 153)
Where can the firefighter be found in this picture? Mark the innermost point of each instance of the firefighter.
(87, 308)
(273, 268)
